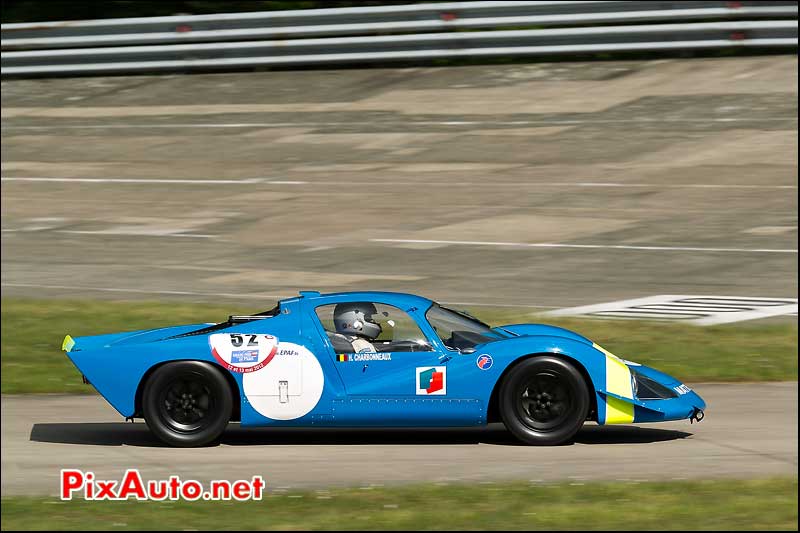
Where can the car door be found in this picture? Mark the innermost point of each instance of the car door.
(403, 381)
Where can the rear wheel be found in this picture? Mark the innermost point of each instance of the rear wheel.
(187, 403)
(544, 401)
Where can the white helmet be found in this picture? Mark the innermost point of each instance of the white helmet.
(356, 318)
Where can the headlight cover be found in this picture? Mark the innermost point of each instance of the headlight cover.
(645, 388)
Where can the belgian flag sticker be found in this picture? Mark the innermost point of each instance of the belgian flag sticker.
(342, 357)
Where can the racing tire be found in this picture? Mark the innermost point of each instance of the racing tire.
(187, 403)
(544, 401)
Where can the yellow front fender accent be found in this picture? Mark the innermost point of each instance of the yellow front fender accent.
(618, 382)
(618, 411)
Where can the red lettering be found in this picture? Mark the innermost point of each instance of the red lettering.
(105, 490)
(258, 486)
(220, 490)
(191, 490)
(157, 489)
(89, 491)
(241, 490)
(174, 486)
(71, 480)
(132, 485)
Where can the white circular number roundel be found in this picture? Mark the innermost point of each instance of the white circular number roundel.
(287, 387)
(281, 380)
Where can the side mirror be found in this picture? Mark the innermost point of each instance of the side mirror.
(467, 350)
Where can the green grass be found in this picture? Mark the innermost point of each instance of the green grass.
(685, 505)
(32, 331)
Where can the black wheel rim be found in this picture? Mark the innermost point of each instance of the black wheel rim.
(187, 403)
(544, 400)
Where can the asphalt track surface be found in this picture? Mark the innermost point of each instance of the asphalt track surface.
(750, 431)
(674, 176)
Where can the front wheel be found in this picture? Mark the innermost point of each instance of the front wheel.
(544, 401)
(187, 403)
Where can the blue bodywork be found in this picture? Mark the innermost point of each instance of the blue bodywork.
(381, 392)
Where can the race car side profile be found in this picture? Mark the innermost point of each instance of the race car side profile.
(371, 359)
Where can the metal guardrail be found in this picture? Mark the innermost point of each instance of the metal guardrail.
(378, 34)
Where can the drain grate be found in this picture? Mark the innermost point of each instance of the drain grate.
(699, 310)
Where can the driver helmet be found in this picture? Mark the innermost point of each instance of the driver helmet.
(356, 318)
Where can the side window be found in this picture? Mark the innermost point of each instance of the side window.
(359, 327)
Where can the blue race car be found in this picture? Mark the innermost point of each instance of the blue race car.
(377, 359)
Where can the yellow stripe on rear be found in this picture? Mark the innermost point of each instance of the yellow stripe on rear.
(618, 382)
(67, 344)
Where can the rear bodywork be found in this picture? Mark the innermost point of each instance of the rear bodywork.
(301, 381)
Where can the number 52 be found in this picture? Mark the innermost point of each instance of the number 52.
(237, 340)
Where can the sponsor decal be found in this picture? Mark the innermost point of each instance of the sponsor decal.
(244, 356)
(682, 389)
(243, 352)
(484, 361)
(431, 380)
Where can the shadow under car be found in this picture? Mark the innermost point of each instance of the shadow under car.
(137, 434)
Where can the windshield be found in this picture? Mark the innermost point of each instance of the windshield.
(458, 330)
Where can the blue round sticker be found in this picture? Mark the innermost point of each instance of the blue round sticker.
(484, 361)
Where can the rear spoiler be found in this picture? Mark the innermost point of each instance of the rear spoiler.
(232, 320)
(236, 319)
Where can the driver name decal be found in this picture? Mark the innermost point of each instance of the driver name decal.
(363, 356)
(243, 352)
